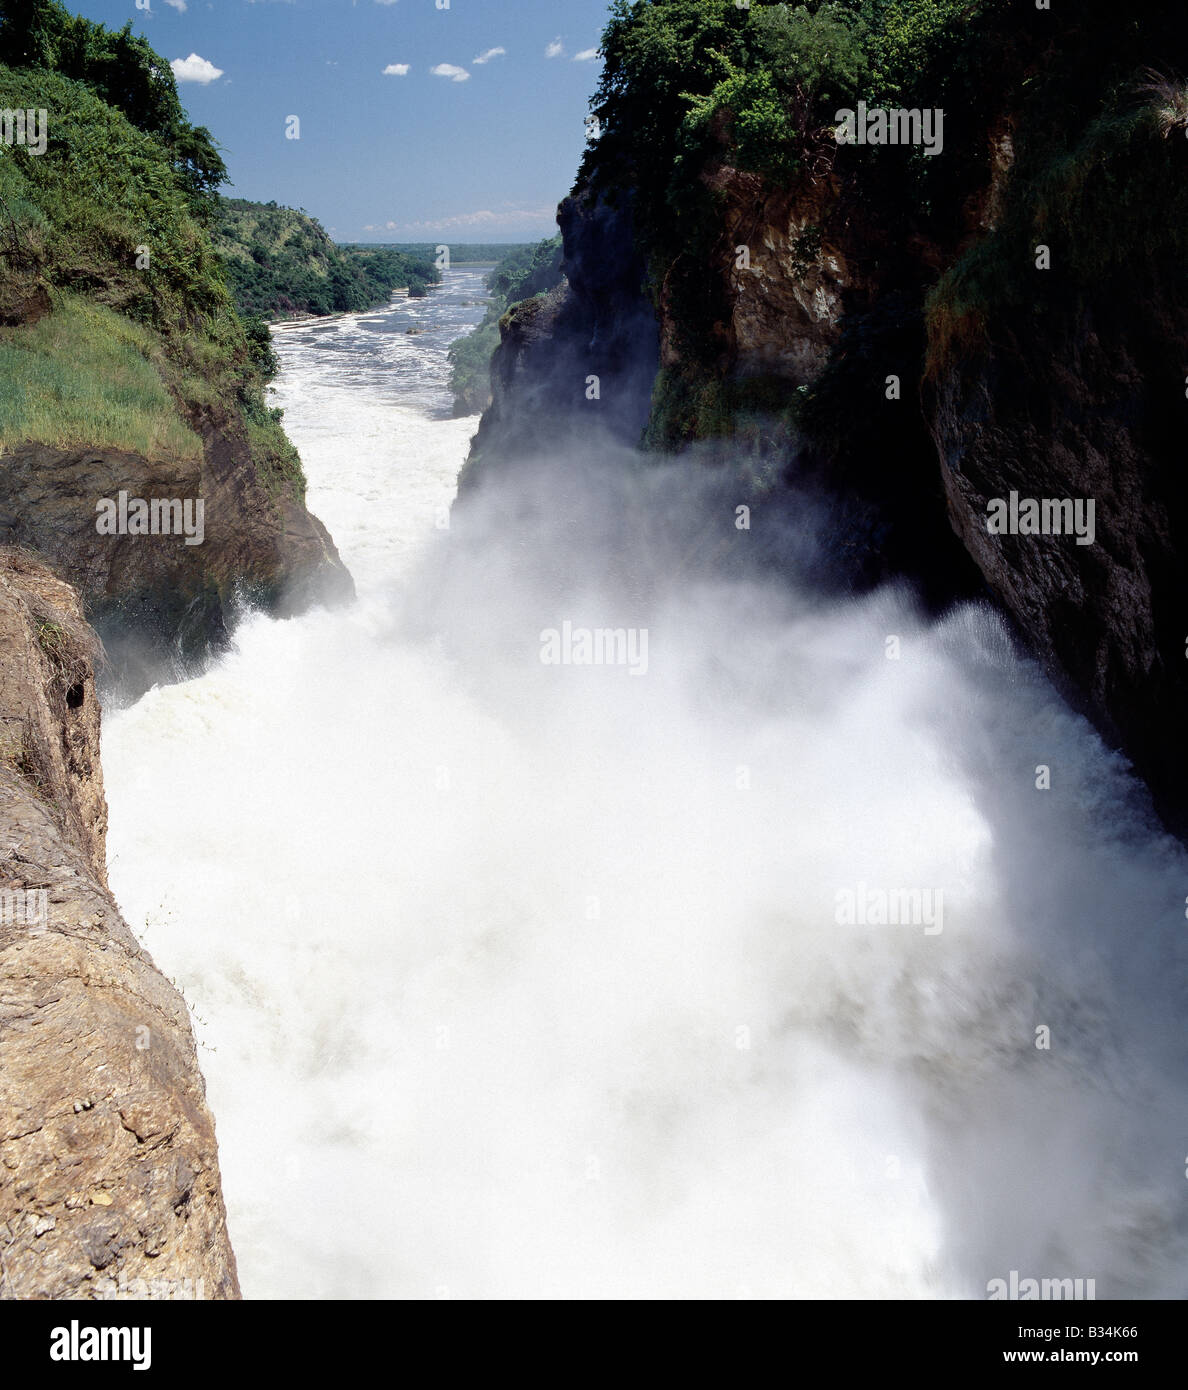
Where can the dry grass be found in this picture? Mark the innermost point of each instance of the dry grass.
(1169, 98)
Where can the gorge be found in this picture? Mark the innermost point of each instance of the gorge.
(554, 958)
(667, 843)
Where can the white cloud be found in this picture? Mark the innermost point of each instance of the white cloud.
(178, 5)
(555, 49)
(452, 71)
(195, 69)
(396, 70)
(585, 55)
(489, 54)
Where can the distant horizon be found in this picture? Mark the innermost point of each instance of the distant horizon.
(396, 245)
(460, 245)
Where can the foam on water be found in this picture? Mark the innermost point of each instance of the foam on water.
(546, 996)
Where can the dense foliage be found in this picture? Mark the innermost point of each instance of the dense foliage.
(697, 96)
(124, 72)
(102, 190)
(523, 272)
(281, 262)
(461, 252)
(109, 230)
(688, 82)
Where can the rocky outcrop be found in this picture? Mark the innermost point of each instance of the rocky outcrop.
(160, 604)
(577, 363)
(109, 1178)
(786, 273)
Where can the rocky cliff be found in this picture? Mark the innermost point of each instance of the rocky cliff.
(577, 362)
(109, 1178)
(160, 605)
(125, 368)
(1067, 382)
(916, 336)
(127, 382)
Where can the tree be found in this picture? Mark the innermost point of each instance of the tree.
(127, 73)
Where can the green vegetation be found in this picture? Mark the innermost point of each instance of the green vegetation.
(525, 271)
(757, 414)
(1121, 180)
(685, 80)
(281, 262)
(103, 191)
(52, 638)
(1096, 178)
(385, 269)
(85, 377)
(278, 464)
(123, 72)
(109, 229)
(470, 366)
(461, 252)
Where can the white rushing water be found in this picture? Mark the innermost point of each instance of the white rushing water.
(526, 981)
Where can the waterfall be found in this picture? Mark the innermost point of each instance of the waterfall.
(515, 979)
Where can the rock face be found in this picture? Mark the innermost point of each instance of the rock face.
(1090, 407)
(157, 602)
(598, 323)
(109, 1178)
(787, 276)
(802, 300)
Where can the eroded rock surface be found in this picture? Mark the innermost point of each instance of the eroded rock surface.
(109, 1177)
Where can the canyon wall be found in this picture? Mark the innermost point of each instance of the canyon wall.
(888, 329)
(109, 1176)
(160, 605)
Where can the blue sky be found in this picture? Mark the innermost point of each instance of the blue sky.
(478, 151)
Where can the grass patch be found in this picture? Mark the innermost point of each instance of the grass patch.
(84, 377)
(53, 639)
(278, 464)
